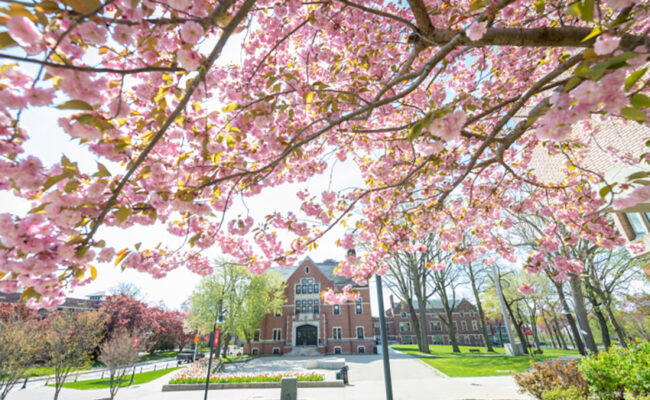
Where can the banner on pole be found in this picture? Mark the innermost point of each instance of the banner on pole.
(216, 337)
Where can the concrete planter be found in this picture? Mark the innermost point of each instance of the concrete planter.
(251, 385)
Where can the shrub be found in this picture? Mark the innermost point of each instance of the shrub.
(613, 374)
(551, 376)
(560, 393)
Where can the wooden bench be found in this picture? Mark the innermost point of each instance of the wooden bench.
(474, 350)
(538, 351)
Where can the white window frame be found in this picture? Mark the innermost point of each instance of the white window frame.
(361, 349)
(339, 349)
(463, 326)
(257, 332)
(363, 332)
(339, 330)
(279, 334)
(474, 325)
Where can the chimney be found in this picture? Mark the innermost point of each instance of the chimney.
(392, 302)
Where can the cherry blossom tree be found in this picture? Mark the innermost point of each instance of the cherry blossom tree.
(439, 104)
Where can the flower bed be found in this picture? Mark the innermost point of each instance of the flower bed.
(196, 374)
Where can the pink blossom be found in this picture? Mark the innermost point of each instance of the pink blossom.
(639, 195)
(123, 34)
(428, 148)
(180, 4)
(188, 59)
(39, 96)
(587, 92)
(526, 289)
(618, 4)
(605, 44)
(23, 31)
(92, 33)
(476, 31)
(191, 32)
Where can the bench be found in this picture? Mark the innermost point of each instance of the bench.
(538, 351)
(474, 350)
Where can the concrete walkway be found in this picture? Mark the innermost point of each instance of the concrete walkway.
(412, 380)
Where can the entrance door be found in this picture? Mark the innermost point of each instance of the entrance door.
(306, 335)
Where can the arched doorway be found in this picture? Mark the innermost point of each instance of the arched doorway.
(306, 335)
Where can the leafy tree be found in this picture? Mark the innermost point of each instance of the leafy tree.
(127, 313)
(169, 331)
(118, 354)
(20, 347)
(441, 101)
(69, 340)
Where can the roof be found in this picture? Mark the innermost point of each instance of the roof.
(69, 303)
(431, 304)
(326, 268)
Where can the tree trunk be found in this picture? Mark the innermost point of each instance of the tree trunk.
(620, 332)
(558, 332)
(416, 323)
(577, 342)
(452, 332)
(604, 330)
(424, 347)
(581, 314)
(517, 325)
(481, 315)
(548, 330)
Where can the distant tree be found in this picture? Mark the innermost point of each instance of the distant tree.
(129, 289)
(119, 353)
(10, 312)
(69, 340)
(476, 273)
(264, 295)
(169, 331)
(634, 315)
(445, 280)
(20, 346)
(125, 312)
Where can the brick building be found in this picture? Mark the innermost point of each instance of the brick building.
(306, 325)
(465, 319)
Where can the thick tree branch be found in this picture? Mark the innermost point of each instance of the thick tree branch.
(91, 69)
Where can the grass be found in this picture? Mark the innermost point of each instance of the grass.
(94, 384)
(468, 364)
(232, 359)
(159, 356)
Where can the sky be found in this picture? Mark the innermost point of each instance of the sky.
(50, 143)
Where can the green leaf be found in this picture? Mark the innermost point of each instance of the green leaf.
(75, 105)
(638, 175)
(587, 10)
(634, 78)
(310, 97)
(230, 107)
(6, 40)
(120, 255)
(540, 5)
(597, 71)
(594, 32)
(82, 251)
(101, 171)
(605, 191)
(640, 100)
(633, 113)
(572, 83)
(122, 213)
(53, 180)
(416, 130)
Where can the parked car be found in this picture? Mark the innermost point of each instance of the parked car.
(187, 357)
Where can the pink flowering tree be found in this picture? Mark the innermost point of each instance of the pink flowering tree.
(435, 102)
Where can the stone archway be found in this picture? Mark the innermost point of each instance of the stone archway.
(306, 335)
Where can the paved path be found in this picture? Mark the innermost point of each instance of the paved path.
(412, 380)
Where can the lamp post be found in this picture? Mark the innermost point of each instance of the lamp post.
(218, 319)
(384, 340)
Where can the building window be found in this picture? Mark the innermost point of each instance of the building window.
(315, 287)
(405, 327)
(310, 289)
(403, 315)
(462, 314)
(304, 288)
(359, 310)
(456, 326)
(256, 351)
(297, 289)
(256, 335)
(337, 309)
(437, 339)
(636, 223)
(297, 307)
(435, 326)
(359, 332)
(361, 349)
(407, 340)
(463, 326)
(304, 306)
(474, 326)
(306, 270)
(277, 334)
(316, 311)
(337, 350)
(278, 313)
(337, 333)
(276, 350)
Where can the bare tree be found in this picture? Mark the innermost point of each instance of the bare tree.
(69, 340)
(477, 273)
(129, 289)
(445, 282)
(119, 353)
(409, 274)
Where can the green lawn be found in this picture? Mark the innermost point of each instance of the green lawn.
(159, 356)
(104, 383)
(468, 364)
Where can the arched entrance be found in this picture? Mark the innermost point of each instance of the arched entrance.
(306, 335)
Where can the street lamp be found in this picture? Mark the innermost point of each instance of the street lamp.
(384, 340)
(213, 337)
